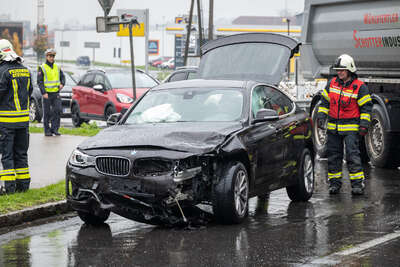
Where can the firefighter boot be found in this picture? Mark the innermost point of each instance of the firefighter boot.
(357, 187)
(9, 187)
(334, 186)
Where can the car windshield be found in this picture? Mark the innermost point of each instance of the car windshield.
(69, 80)
(188, 104)
(124, 80)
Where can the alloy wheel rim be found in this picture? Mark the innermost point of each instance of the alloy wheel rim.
(32, 111)
(241, 192)
(308, 172)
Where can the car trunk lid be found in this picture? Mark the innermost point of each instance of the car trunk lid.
(259, 57)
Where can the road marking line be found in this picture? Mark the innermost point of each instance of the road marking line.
(332, 258)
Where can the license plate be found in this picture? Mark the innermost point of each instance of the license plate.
(66, 110)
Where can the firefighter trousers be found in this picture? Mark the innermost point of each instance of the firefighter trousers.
(15, 173)
(353, 159)
(52, 108)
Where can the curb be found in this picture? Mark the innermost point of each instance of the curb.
(34, 213)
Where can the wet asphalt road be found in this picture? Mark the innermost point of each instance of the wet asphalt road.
(339, 230)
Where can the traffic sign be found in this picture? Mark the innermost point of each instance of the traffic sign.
(140, 15)
(102, 26)
(106, 5)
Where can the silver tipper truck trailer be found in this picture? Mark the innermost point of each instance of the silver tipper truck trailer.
(369, 31)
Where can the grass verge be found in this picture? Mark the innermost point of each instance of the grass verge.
(85, 129)
(32, 197)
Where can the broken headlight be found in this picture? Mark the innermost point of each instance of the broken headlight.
(81, 159)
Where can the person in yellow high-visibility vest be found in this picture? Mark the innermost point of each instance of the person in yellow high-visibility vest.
(15, 91)
(51, 80)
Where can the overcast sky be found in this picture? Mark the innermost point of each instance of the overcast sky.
(161, 11)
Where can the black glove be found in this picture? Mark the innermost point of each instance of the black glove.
(362, 131)
(321, 124)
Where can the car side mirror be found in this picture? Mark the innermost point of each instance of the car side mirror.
(265, 114)
(113, 119)
(98, 87)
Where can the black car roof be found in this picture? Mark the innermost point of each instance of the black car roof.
(202, 83)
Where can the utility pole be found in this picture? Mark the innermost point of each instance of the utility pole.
(189, 27)
(200, 26)
(211, 21)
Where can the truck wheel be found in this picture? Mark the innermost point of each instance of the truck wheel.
(319, 136)
(94, 219)
(231, 195)
(34, 111)
(303, 190)
(75, 116)
(381, 147)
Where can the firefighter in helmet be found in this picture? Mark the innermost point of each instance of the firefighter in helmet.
(345, 111)
(15, 91)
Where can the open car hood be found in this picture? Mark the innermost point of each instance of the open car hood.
(261, 57)
(185, 137)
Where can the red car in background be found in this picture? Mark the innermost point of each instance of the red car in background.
(100, 94)
(158, 61)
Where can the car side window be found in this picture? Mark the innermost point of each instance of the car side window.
(99, 79)
(87, 80)
(192, 75)
(178, 77)
(258, 99)
(278, 101)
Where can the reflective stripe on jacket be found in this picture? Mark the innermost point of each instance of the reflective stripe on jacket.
(15, 91)
(347, 106)
(51, 78)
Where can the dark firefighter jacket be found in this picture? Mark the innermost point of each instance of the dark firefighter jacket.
(347, 105)
(15, 91)
(40, 78)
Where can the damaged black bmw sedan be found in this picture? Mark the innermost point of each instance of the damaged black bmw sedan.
(218, 140)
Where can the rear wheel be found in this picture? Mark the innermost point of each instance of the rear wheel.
(381, 147)
(75, 116)
(319, 136)
(231, 195)
(34, 111)
(94, 219)
(303, 190)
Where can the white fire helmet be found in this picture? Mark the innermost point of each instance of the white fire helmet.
(345, 62)
(50, 51)
(7, 52)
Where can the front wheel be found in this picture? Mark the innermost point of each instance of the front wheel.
(109, 111)
(303, 190)
(231, 195)
(319, 136)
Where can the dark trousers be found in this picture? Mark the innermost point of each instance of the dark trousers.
(51, 113)
(353, 158)
(15, 174)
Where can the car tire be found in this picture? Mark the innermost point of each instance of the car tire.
(303, 190)
(75, 116)
(94, 219)
(109, 111)
(34, 111)
(231, 195)
(381, 148)
(319, 136)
